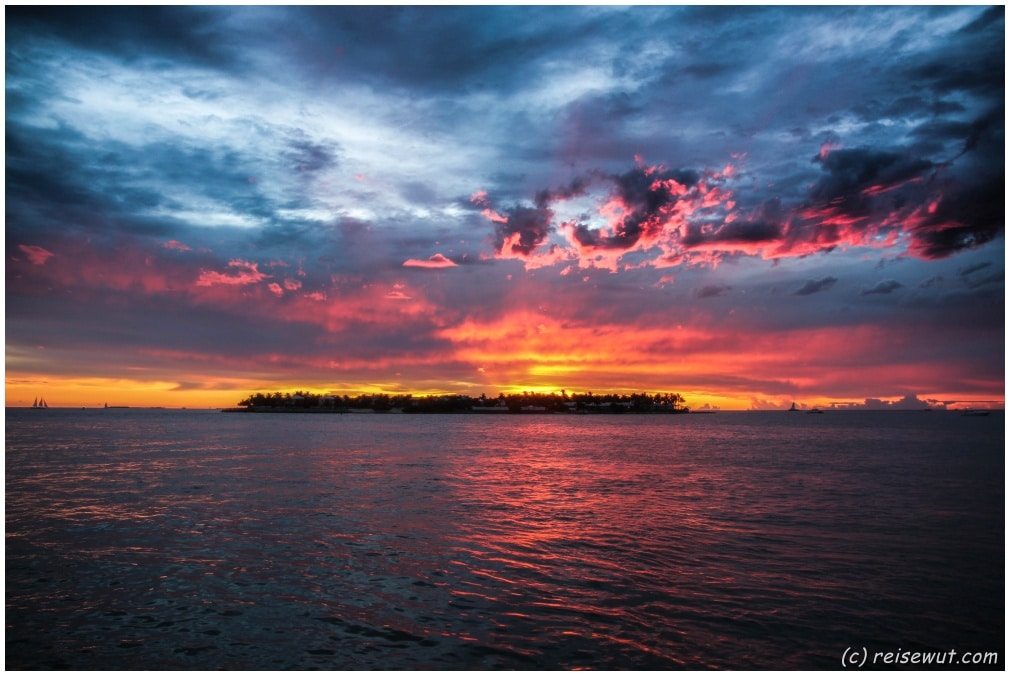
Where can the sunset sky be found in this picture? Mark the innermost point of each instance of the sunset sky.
(747, 206)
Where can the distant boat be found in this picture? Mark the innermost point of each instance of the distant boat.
(793, 407)
(815, 410)
(40, 403)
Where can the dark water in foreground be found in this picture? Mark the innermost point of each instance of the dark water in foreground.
(200, 540)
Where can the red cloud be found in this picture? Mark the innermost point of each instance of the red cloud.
(643, 211)
(176, 245)
(651, 216)
(246, 273)
(545, 350)
(436, 261)
(480, 199)
(36, 254)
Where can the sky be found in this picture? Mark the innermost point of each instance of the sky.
(747, 206)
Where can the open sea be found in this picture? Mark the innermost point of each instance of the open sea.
(167, 539)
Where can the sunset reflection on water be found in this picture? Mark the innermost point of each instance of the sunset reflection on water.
(530, 542)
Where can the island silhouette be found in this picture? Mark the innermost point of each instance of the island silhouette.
(525, 402)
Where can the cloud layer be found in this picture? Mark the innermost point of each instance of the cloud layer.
(746, 205)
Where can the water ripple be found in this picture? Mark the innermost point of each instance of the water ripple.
(206, 541)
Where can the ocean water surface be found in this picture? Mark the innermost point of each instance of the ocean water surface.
(161, 539)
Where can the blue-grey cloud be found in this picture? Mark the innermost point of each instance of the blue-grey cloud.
(909, 402)
(133, 33)
(885, 287)
(976, 267)
(713, 290)
(812, 286)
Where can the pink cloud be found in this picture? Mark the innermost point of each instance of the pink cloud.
(36, 254)
(480, 199)
(827, 148)
(669, 218)
(435, 262)
(644, 211)
(246, 273)
(126, 267)
(176, 245)
(346, 304)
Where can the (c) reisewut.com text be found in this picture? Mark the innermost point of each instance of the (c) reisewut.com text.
(861, 656)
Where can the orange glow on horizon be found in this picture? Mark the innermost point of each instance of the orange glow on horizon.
(538, 352)
(95, 392)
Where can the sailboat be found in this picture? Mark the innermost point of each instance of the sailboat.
(40, 402)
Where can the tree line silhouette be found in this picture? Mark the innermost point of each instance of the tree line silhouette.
(525, 402)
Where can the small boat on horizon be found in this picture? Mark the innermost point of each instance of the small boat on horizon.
(815, 410)
(40, 402)
(793, 407)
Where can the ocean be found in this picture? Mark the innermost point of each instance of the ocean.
(168, 539)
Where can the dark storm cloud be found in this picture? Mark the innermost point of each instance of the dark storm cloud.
(965, 218)
(816, 286)
(440, 48)
(852, 174)
(967, 133)
(988, 21)
(985, 128)
(937, 131)
(643, 195)
(186, 33)
(576, 188)
(637, 189)
(61, 185)
(735, 232)
(521, 229)
(41, 175)
(970, 277)
(985, 280)
(524, 230)
(712, 291)
(77, 182)
(97, 203)
(885, 287)
(910, 106)
(971, 64)
(971, 269)
(970, 73)
(946, 207)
